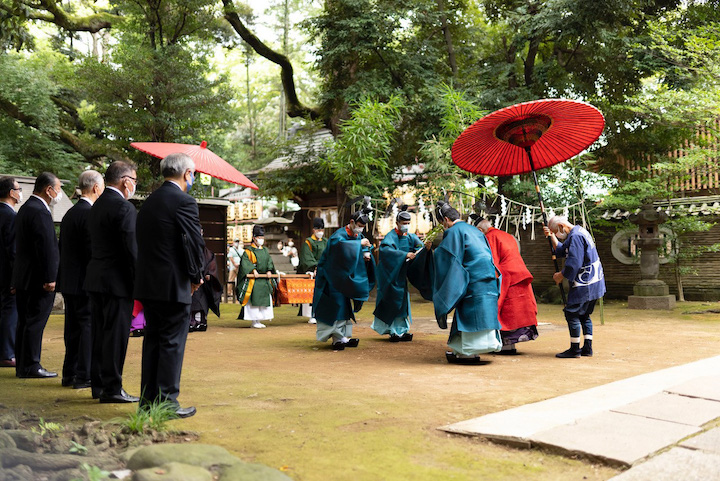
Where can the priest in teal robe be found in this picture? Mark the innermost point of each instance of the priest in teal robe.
(345, 277)
(466, 280)
(392, 307)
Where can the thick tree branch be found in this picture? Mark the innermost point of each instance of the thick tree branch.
(90, 151)
(294, 107)
(50, 11)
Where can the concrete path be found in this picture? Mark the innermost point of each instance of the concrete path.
(624, 422)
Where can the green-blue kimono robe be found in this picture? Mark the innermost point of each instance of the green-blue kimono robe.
(392, 306)
(310, 254)
(466, 280)
(343, 275)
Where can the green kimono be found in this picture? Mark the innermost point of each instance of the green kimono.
(256, 292)
(310, 253)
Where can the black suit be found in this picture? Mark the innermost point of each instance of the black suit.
(109, 281)
(75, 251)
(162, 283)
(8, 307)
(36, 264)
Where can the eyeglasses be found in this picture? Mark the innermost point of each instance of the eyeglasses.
(19, 189)
(134, 179)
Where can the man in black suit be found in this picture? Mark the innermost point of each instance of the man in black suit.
(34, 273)
(169, 270)
(10, 196)
(75, 251)
(109, 281)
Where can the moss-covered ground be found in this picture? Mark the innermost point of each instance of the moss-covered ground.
(278, 397)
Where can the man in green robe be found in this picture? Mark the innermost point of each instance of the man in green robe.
(345, 277)
(310, 253)
(466, 280)
(392, 307)
(255, 293)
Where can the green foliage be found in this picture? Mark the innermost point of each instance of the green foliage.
(78, 448)
(154, 417)
(46, 428)
(94, 473)
(358, 159)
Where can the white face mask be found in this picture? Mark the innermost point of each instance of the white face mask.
(358, 230)
(20, 197)
(132, 192)
(561, 235)
(404, 229)
(259, 242)
(319, 235)
(290, 244)
(55, 200)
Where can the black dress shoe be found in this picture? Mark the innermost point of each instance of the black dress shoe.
(137, 333)
(122, 397)
(202, 327)
(185, 412)
(352, 342)
(338, 346)
(407, 337)
(394, 338)
(39, 373)
(82, 385)
(507, 352)
(67, 381)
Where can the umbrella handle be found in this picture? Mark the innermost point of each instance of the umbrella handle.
(545, 222)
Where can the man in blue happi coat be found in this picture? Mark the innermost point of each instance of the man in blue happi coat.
(398, 250)
(584, 272)
(345, 277)
(466, 280)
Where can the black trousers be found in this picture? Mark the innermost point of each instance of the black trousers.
(8, 324)
(111, 317)
(33, 307)
(166, 331)
(78, 337)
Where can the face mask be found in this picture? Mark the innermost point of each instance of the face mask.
(189, 183)
(20, 198)
(259, 242)
(132, 192)
(358, 230)
(290, 244)
(561, 235)
(404, 229)
(55, 200)
(319, 235)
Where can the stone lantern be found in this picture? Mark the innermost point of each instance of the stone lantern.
(650, 292)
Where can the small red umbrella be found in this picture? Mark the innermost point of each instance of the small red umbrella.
(206, 161)
(526, 137)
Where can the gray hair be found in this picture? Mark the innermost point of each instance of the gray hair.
(89, 179)
(558, 220)
(175, 165)
(484, 225)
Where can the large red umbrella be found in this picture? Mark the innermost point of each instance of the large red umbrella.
(526, 137)
(206, 161)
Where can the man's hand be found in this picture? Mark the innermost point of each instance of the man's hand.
(49, 286)
(558, 277)
(546, 231)
(428, 245)
(365, 242)
(195, 287)
(13, 291)
(411, 255)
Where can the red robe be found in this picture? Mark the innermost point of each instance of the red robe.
(516, 306)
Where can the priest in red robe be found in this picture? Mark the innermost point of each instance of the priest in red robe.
(517, 309)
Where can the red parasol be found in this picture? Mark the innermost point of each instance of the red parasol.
(526, 137)
(206, 161)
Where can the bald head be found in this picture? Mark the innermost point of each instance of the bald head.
(558, 220)
(484, 225)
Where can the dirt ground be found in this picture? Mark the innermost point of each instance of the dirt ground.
(278, 397)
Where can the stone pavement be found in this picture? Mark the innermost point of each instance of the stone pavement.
(625, 423)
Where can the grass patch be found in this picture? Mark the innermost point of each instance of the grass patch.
(153, 417)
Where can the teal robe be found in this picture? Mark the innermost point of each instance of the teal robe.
(342, 275)
(260, 289)
(466, 280)
(392, 279)
(310, 253)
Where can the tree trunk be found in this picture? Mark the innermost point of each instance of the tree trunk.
(678, 280)
(448, 37)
